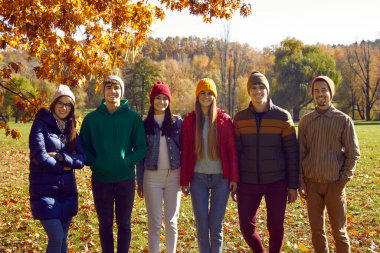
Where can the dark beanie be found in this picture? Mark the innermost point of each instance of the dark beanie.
(326, 79)
(159, 88)
(257, 78)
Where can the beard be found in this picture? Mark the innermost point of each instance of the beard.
(321, 101)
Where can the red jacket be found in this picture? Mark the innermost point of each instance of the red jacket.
(226, 144)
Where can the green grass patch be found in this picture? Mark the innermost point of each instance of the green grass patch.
(7, 143)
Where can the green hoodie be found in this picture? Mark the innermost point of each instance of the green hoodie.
(113, 142)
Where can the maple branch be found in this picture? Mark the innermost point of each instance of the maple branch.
(20, 94)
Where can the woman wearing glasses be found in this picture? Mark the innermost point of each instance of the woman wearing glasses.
(55, 152)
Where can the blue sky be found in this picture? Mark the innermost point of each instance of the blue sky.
(271, 21)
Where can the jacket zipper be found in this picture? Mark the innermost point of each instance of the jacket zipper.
(258, 123)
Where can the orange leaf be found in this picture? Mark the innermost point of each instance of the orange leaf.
(303, 247)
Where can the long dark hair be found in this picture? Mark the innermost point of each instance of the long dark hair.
(72, 137)
(167, 127)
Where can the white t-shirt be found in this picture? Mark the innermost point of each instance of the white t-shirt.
(163, 154)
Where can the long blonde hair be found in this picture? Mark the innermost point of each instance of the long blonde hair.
(212, 147)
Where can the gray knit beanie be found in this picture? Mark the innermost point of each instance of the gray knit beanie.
(113, 78)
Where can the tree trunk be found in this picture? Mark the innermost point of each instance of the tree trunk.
(142, 97)
(296, 114)
(229, 95)
(223, 48)
(367, 111)
(353, 104)
(367, 102)
(361, 115)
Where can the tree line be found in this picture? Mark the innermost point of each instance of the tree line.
(180, 62)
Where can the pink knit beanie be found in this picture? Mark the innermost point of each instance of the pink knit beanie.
(64, 90)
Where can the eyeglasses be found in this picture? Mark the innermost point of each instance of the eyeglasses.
(61, 105)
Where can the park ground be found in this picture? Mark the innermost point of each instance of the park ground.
(20, 233)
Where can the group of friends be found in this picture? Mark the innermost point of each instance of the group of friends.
(207, 155)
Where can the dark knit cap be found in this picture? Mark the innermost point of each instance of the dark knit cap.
(159, 88)
(330, 84)
(257, 78)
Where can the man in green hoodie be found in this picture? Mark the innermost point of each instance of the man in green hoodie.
(113, 138)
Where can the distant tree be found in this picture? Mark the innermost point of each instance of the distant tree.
(240, 60)
(181, 86)
(364, 62)
(347, 93)
(200, 67)
(295, 66)
(223, 48)
(153, 49)
(210, 48)
(139, 79)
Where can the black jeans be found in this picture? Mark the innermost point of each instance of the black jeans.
(106, 196)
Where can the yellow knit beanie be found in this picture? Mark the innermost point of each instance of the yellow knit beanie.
(206, 84)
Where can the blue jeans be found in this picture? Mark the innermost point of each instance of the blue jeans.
(209, 195)
(56, 231)
(106, 196)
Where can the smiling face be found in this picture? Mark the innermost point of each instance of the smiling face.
(112, 92)
(160, 103)
(63, 107)
(206, 97)
(258, 94)
(321, 94)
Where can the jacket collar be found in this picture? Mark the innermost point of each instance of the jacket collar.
(270, 106)
(329, 113)
(46, 116)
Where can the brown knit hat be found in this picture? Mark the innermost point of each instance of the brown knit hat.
(257, 78)
(330, 84)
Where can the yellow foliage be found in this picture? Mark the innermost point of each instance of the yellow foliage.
(103, 32)
(76, 39)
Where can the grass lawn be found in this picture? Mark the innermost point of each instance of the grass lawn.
(20, 233)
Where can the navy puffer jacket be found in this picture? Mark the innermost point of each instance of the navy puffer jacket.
(53, 191)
